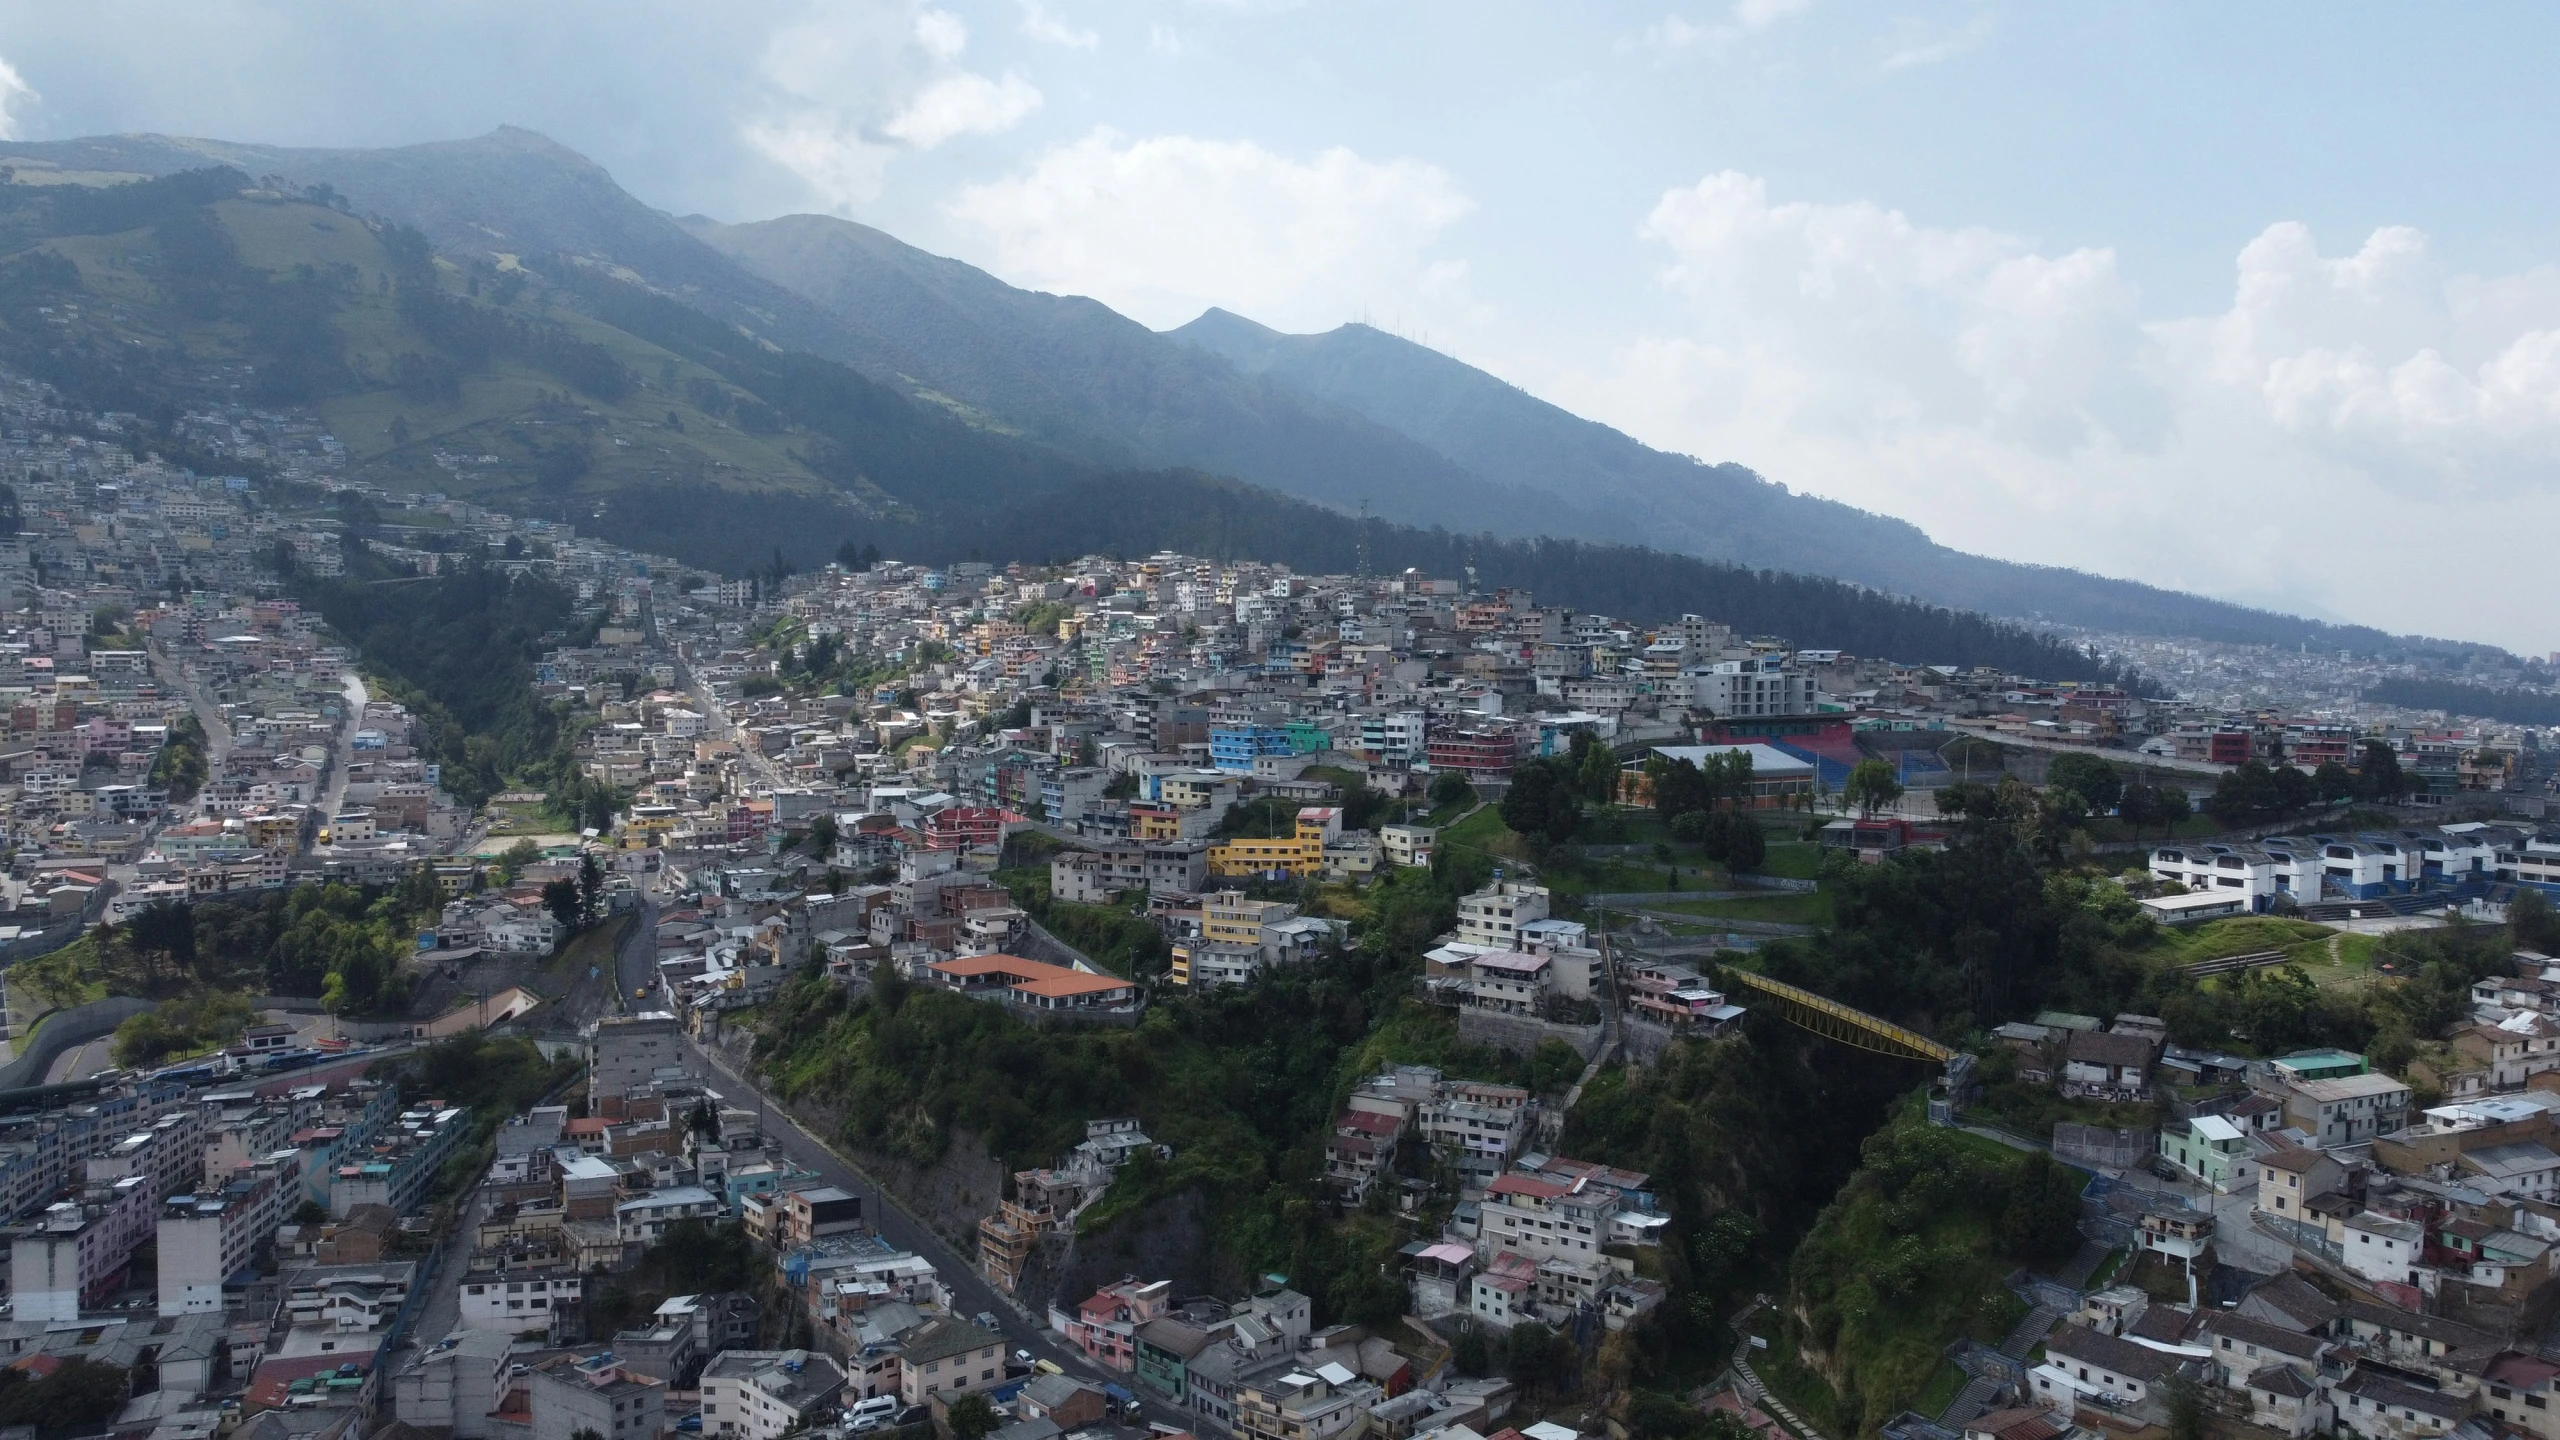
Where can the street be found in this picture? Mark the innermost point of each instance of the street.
(970, 1293)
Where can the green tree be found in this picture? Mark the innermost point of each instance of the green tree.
(78, 1398)
(1541, 803)
(2041, 1221)
(2333, 782)
(2092, 779)
(822, 835)
(973, 1417)
(1598, 769)
(1734, 840)
(560, 897)
(2535, 923)
(1871, 787)
(1449, 787)
(2380, 777)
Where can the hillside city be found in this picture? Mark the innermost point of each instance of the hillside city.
(468, 977)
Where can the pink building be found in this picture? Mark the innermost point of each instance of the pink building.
(1105, 1326)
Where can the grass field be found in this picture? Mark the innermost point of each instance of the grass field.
(595, 948)
(1776, 908)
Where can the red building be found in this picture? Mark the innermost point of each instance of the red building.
(1478, 752)
(2228, 747)
(967, 827)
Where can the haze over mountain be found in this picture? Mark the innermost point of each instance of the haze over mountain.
(1343, 418)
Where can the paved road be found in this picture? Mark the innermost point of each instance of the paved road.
(342, 749)
(970, 1293)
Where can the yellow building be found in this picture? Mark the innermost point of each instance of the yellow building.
(1295, 856)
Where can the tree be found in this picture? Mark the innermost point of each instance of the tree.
(560, 897)
(2185, 1401)
(513, 859)
(1599, 773)
(2529, 915)
(590, 890)
(973, 1417)
(2381, 776)
(2092, 779)
(2333, 782)
(1537, 1358)
(1450, 787)
(822, 836)
(166, 927)
(2041, 1222)
(1735, 841)
(1871, 787)
(1966, 798)
(1541, 803)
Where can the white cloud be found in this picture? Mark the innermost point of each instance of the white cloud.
(1165, 40)
(1674, 35)
(963, 104)
(1051, 29)
(1164, 227)
(2014, 398)
(1913, 51)
(942, 34)
(1761, 14)
(15, 96)
(850, 88)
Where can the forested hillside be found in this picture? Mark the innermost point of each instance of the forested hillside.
(551, 387)
(1345, 418)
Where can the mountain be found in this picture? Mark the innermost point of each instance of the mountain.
(1353, 419)
(1507, 435)
(561, 387)
(1067, 372)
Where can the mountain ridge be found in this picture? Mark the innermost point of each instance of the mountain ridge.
(1340, 419)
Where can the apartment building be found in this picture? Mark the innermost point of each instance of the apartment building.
(1492, 917)
(208, 1237)
(766, 1394)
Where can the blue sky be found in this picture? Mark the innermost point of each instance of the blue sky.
(2242, 299)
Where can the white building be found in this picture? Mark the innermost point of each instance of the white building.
(2378, 1247)
(763, 1394)
(1737, 689)
(1492, 917)
(207, 1238)
(518, 1300)
(643, 1218)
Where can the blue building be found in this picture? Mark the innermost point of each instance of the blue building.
(1237, 747)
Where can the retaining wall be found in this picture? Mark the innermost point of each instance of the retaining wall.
(64, 1029)
(1522, 1033)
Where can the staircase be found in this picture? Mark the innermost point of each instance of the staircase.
(2030, 1332)
(1976, 1397)
(2083, 1264)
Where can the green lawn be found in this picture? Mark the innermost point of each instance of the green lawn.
(595, 948)
(2031, 1111)
(1793, 859)
(1943, 1389)
(2239, 935)
(1791, 907)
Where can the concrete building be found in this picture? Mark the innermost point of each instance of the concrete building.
(629, 1051)
(568, 1395)
(762, 1394)
(206, 1238)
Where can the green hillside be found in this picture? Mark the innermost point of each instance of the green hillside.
(547, 383)
(201, 289)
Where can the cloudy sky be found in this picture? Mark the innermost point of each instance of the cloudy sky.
(2259, 301)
